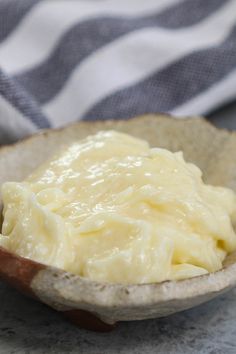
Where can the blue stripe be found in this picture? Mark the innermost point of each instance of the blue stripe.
(11, 13)
(22, 101)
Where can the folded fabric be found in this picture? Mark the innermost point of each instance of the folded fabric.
(65, 60)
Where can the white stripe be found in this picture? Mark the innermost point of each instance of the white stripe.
(37, 34)
(13, 121)
(220, 93)
(130, 59)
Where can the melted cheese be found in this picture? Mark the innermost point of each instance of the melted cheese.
(112, 209)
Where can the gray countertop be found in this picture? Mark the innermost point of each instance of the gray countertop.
(30, 327)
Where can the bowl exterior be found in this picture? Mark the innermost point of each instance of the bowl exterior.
(20, 272)
(99, 306)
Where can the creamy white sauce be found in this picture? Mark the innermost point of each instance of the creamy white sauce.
(113, 209)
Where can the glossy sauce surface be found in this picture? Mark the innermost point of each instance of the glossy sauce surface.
(113, 209)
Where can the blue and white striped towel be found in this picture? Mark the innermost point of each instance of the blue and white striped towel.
(65, 60)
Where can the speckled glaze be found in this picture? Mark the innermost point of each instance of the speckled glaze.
(99, 306)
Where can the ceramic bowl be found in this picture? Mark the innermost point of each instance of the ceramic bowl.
(99, 306)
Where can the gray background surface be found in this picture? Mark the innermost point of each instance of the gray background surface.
(30, 327)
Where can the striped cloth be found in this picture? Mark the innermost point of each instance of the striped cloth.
(65, 60)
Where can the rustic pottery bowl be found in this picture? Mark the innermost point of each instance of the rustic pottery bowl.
(99, 306)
